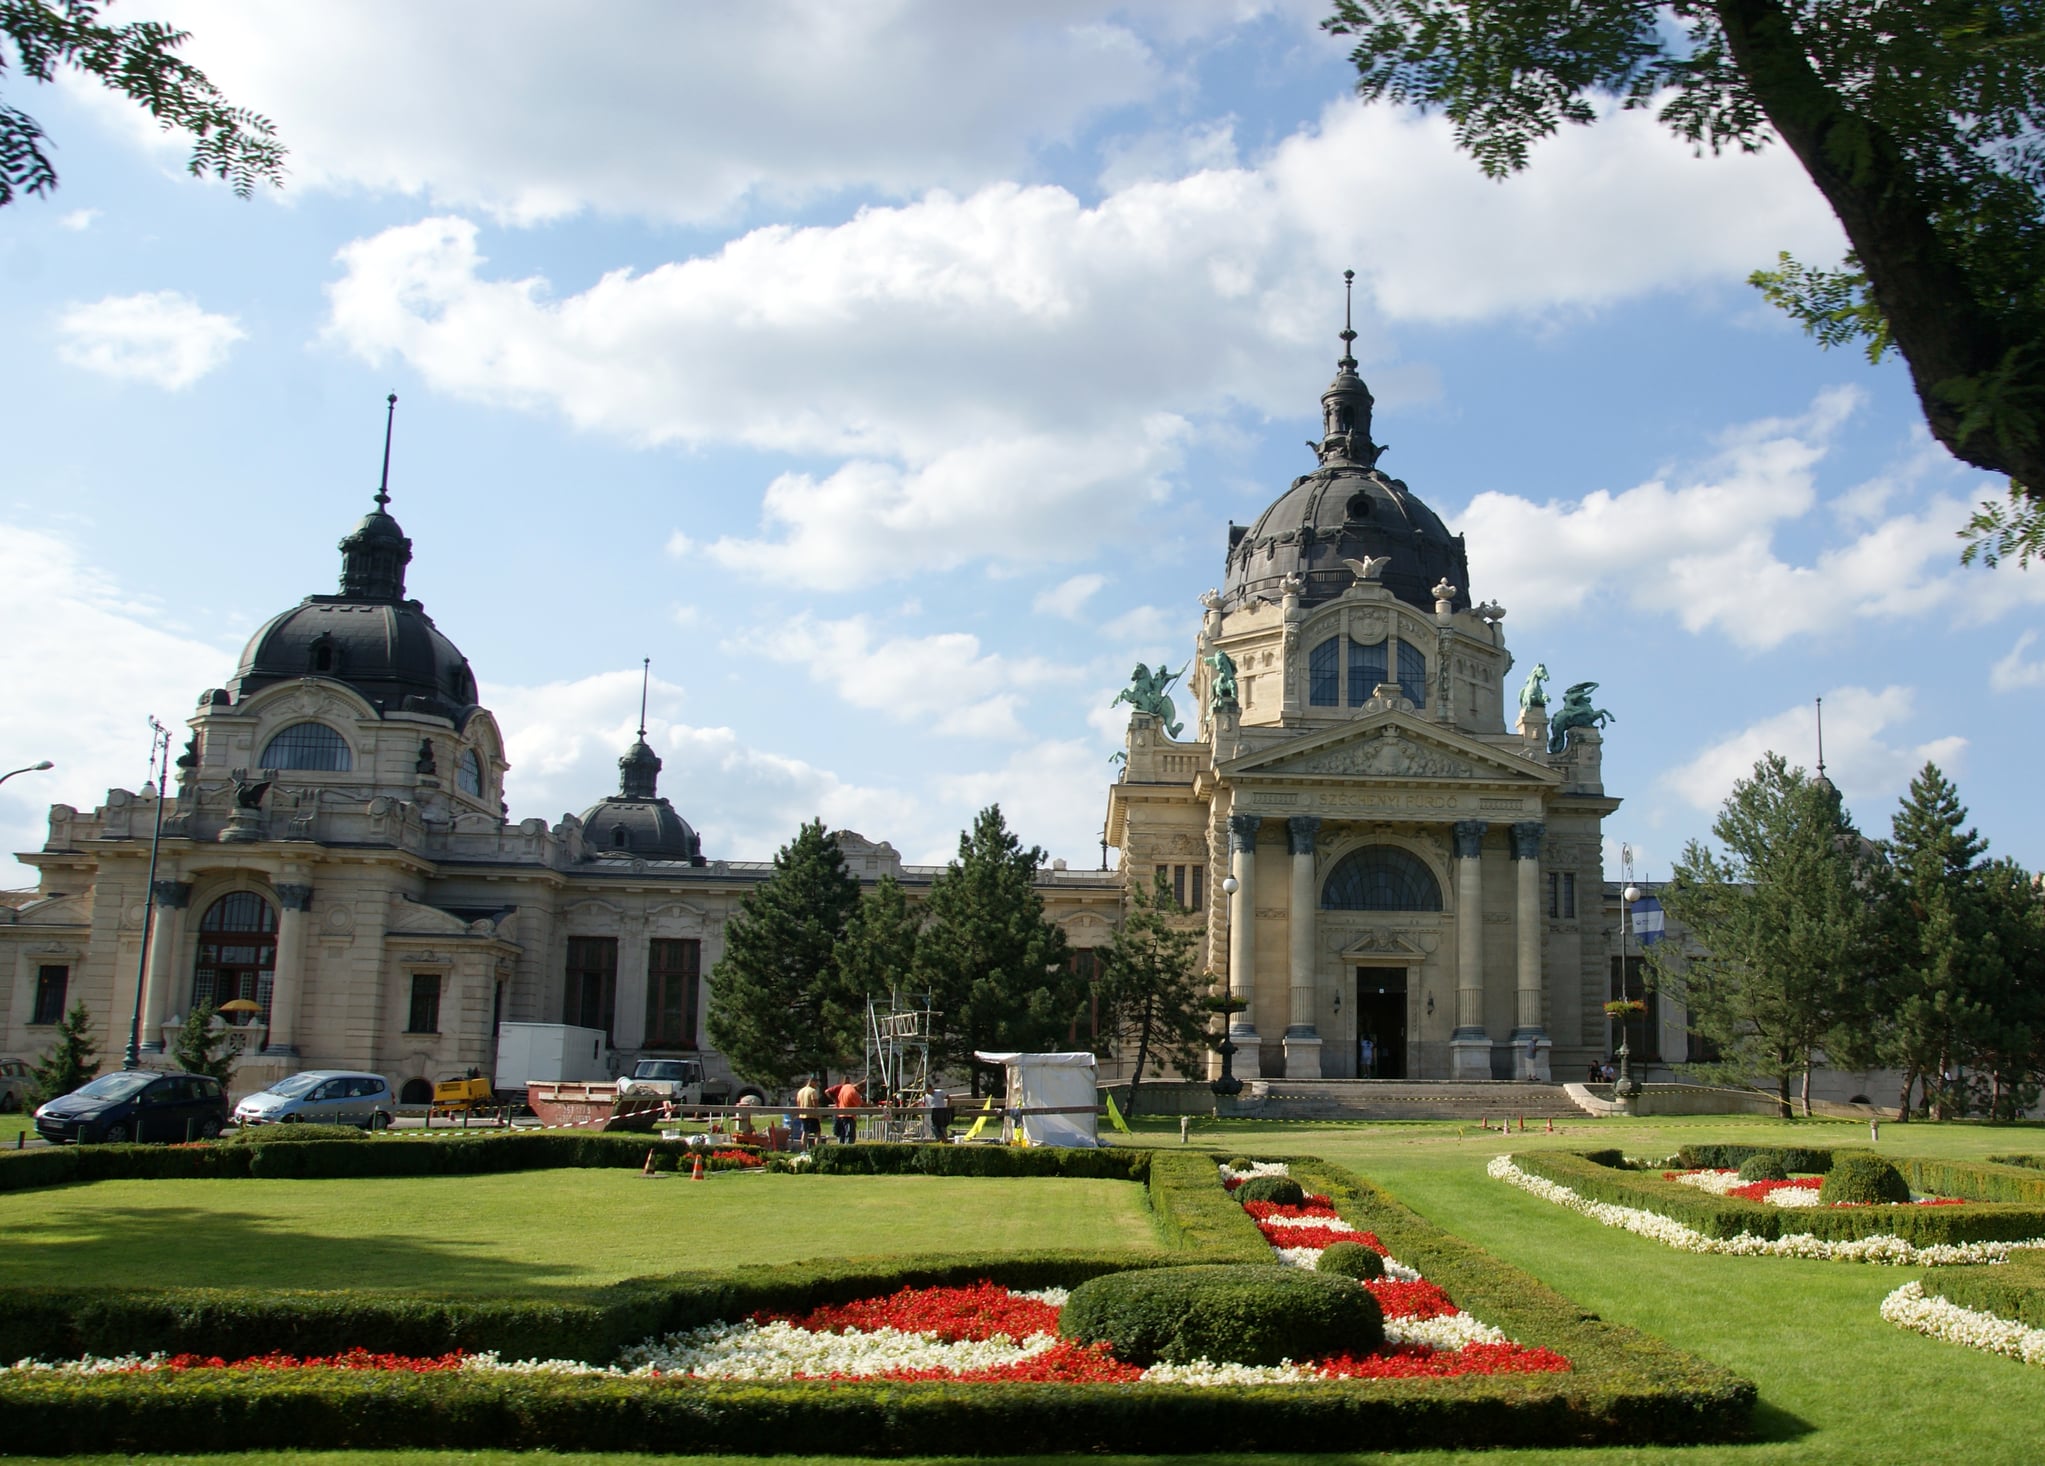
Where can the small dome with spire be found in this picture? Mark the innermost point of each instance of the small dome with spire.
(1345, 510)
(636, 823)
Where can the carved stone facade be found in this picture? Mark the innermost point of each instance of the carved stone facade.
(1409, 871)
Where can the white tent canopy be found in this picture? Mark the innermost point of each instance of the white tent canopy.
(1055, 1082)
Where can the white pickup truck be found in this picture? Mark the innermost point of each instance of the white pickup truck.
(679, 1080)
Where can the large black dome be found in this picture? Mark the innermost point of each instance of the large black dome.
(1346, 510)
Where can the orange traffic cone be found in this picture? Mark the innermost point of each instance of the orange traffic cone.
(1551, 1124)
(697, 1173)
(647, 1169)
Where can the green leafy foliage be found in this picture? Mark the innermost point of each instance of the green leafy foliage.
(1797, 1160)
(136, 61)
(876, 953)
(780, 1006)
(72, 1060)
(1764, 1165)
(1921, 126)
(1863, 1180)
(1784, 962)
(2014, 530)
(995, 968)
(1150, 987)
(200, 1048)
(1282, 1190)
(1351, 1260)
(1235, 1314)
(292, 1134)
(2014, 1290)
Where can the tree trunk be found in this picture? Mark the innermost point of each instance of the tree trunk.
(1903, 1101)
(1783, 1109)
(1944, 330)
(1142, 1053)
(1807, 1089)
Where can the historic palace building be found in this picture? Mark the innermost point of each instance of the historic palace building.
(335, 861)
(1417, 887)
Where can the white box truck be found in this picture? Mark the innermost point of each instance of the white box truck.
(549, 1053)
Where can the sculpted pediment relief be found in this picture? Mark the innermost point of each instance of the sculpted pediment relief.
(1390, 754)
(1385, 941)
(411, 916)
(1390, 746)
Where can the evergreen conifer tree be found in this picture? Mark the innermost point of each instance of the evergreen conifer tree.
(72, 1061)
(779, 1007)
(1150, 990)
(877, 953)
(2008, 1053)
(1939, 953)
(995, 969)
(200, 1048)
(1784, 927)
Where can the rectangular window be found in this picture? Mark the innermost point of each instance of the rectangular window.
(1179, 886)
(425, 1003)
(1324, 674)
(1199, 889)
(1562, 895)
(1413, 674)
(673, 967)
(51, 985)
(591, 996)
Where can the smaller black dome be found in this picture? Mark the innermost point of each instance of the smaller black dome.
(636, 823)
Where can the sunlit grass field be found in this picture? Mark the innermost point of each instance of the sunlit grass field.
(1838, 1385)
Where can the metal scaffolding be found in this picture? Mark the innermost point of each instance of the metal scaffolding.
(898, 1062)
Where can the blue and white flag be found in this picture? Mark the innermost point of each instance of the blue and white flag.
(1647, 920)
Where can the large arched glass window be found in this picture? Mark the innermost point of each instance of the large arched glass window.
(1381, 878)
(1324, 672)
(310, 746)
(1366, 671)
(237, 956)
(1413, 674)
(468, 773)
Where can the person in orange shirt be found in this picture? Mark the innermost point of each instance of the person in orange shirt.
(845, 1125)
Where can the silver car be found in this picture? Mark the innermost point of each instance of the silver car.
(321, 1097)
(15, 1084)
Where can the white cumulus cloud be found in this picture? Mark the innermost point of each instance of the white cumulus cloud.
(162, 338)
(2013, 672)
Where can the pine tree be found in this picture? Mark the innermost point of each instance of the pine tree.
(2008, 1053)
(200, 1048)
(1933, 904)
(1150, 991)
(1783, 926)
(995, 969)
(876, 956)
(72, 1061)
(779, 1009)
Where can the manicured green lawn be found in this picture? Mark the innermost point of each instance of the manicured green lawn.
(1838, 1385)
(530, 1230)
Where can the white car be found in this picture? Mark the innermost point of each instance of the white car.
(679, 1080)
(15, 1082)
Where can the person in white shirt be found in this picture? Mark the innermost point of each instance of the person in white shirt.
(937, 1110)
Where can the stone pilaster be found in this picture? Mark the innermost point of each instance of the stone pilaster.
(166, 941)
(1242, 942)
(1302, 1037)
(1470, 1045)
(1531, 1044)
(288, 980)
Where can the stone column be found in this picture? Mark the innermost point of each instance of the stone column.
(1302, 1038)
(166, 939)
(1470, 1045)
(288, 981)
(1531, 1044)
(1242, 943)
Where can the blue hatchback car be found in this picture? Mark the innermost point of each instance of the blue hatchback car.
(136, 1104)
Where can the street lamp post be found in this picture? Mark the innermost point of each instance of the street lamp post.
(159, 764)
(1627, 1086)
(29, 769)
(1227, 1085)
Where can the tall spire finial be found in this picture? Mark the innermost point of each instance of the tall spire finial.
(645, 675)
(1821, 737)
(383, 490)
(1348, 329)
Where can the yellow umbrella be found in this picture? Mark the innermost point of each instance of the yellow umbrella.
(242, 1005)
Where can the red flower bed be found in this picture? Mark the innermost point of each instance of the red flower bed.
(737, 1157)
(1419, 1299)
(1065, 1363)
(353, 1359)
(952, 1314)
(1758, 1190)
(1265, 1211)
(1410, 1361)
(1278, 1234)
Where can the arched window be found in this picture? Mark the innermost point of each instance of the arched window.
(311, 746)
(1323, 672)
(416, 1092)
(1413, 674)
(468, 773)
(237, 956)
(1366, 671)
(1381, 878)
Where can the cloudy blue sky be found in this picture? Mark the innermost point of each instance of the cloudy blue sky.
(889, 373)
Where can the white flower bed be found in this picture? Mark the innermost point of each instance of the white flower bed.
(1718, 1183)
(1910, 1307)
(778, 1350)
(1884, 1248)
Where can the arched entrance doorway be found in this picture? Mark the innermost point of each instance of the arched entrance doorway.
(237, 957)
(1383, 878)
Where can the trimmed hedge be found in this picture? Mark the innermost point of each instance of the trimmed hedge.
(1764, 1165)
(1194, 1215)
(1279, 1190)
(1231, 1314)
(980, 1160)
(1351, 1260)
(1864, 1180)
(2035, 1161)
(2013, 1290)
(291, 1134)
(1729, 1216)
(1798, 1159)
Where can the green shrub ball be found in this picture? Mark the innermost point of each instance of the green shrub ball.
(1764, 1165)
(1240, 1164)
(1863, 1179)
(1230, 1314)
(1280, 1189)
(1351, 1260)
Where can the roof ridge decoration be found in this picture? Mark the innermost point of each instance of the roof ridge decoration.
(1391, 745)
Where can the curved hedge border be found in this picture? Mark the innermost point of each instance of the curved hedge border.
(2011, 1201)
(2013, 1290)
(1624, 1388)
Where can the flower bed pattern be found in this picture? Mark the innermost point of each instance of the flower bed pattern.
(1910, 1307)
(1796, 1192)
(1881, 1248)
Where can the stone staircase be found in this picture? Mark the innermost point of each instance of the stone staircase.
(1402, 1099)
